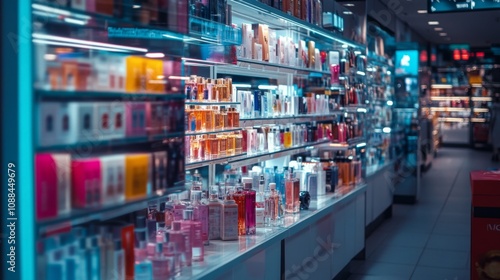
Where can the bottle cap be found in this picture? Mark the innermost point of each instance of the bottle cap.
(272, 186)
(247, 180)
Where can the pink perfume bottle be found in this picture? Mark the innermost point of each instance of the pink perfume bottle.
(178, 207)
(194, 229)
(200, 214)
(335, 72)
(250, 196)
(161, 264)
(292, 190)
(214, 214)
(182, 243)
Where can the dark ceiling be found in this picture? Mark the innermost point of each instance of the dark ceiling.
(478, 28)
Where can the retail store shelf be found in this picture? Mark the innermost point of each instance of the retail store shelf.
(450, 119)
(219, 160)
(258, 64)
(481, 110)
(102, 213)
(352, 143)
(213, 103)
(212, 131)
(260, 157)
(220, 256)
(289, 119)
(95, 145)
(478, 120)
(482, 98)
(449, 109)
(250, 10)
(60, 95)
(201, 31)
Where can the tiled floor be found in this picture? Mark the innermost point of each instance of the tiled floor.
(429, 240)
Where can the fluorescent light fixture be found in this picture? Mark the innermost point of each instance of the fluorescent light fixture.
(442, 86)
(345, 46)
(349, 5)
(350, 157)
(66, 40)
(390, 103)
(242, 85)
(422, 11)
(360, 145)
(438, 28)
(347, 13)
(155, 55)
(377, 130)
(75, 21)
(361, 110)
(50, 56)
(357, 52)
(172, 37)
(363, 56)
(386, 130)
(342, 78)
(443, 34)
(57, 11)
(267, 87)
(360, 73)
(178, 78)
(48, 42)
(136, 6)
(433, 22)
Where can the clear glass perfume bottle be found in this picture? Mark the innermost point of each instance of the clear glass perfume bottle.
(260, 204)
(195, 230)
(160, 263)
(201, 214)
(272, 204)
(229, 218)
(182, 241)
(214, 214)
(292, 189)
(239, 198)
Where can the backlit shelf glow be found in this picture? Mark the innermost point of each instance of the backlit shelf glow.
(459, 120)
(478, 120)
(481, 110)
(442, 86)
(446, 98)
(449, 109)
(481, 98)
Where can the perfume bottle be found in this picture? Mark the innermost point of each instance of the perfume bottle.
(250, 196)
(239, 198)
(194, 228)
(229, 218)
(172, 254)
(292, 189)
(160, 263)
(178, 207)
(271, 212)
(260, 204)
(287, 138)
(182, 241)
(143, 269)
(151, 222)
(118, 270)
(200, 214)
(256, 104)
(214, 214)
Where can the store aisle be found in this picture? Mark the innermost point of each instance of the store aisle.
(429, 240)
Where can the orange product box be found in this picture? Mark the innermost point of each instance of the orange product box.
(137, 175)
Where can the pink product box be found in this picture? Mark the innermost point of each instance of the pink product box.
(113, 179)
(87, 182)
(135, 120)
(45, 186)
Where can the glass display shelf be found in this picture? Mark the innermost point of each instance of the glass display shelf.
(253, 63)
(61, 95)
(250, 159)
(478, 120)
(221, 256)
(101, 213)
(482, 98)
(202, 31)
(247, 159)
(375, 168)
(250, 10)
(213, 103)
(449, 98)
(453, 119)
(96, 145)
(289, 119)
(358, 142)
(189, 133)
